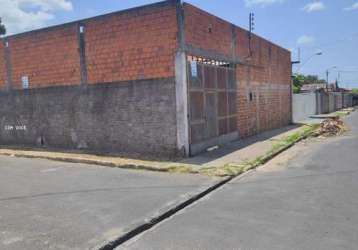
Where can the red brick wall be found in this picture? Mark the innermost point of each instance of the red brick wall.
(2, 66)
(269, 108)
(135, 45)
(48, 57)
(141, 44)
(197, 24)
(266, 74)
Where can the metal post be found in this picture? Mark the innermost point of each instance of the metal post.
(251, 29)
(8, 64)
(82, 52)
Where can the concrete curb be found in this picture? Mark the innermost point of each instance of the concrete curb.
(147, 225)
(263, 159)
(171, 212)
(171, 168)
(274, 154)
(95, 162)
(164, 216)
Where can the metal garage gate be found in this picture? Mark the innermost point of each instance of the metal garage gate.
(212, 105)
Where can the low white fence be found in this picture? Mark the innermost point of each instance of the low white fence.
(305, 105)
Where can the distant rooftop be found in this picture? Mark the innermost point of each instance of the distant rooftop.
(313, 87)
(332, 87)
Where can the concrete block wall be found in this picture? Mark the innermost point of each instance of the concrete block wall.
(355, 100)
(135, 45)
(304, 106)
(263, 79)
(105, 84)
(308, 104)
(332, 105)
(322, 102)
(135, 116)
(338, 99)
(347, 100)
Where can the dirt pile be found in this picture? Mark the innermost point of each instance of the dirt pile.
(332, 127)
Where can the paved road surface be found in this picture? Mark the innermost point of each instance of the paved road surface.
(53, 205)
(308, 202)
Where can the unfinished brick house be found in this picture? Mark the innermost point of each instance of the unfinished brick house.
(166, 78)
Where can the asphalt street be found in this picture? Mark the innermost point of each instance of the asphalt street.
(308, 200)
(305, 198)
(53, 205)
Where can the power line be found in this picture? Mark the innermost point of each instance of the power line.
(351, 81)
(340, 71)
(347, 71)
(350, 38)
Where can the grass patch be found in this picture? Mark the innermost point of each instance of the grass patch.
(304, 132)
(341, 114)
(181, 170)
(226, 170)
(277, 147)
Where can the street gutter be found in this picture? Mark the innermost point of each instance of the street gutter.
(171, 212)
(233, 172)
(154, 221)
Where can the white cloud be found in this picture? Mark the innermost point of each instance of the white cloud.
(314, 6)
(305, 40)
(262, 3)
(23, 15)
(352, 7)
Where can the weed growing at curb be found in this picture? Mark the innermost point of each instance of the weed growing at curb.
(222, 171)
(278, 147)
(181, 170)
(343, 113)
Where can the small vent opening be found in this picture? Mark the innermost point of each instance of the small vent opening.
(251, 96)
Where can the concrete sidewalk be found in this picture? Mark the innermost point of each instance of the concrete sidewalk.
(237, 152)
(317, 119)
(305, 199)
(245, 150)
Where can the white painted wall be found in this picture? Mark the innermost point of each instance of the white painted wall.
(304, 105)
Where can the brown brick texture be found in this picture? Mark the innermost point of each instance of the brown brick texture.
(265, 75)
(141, 44)
(47, 58)
(131, 45)
(206, 31)
(138, 45)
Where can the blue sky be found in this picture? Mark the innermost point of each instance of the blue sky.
(329, 26)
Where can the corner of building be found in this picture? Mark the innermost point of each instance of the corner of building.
(181, 87)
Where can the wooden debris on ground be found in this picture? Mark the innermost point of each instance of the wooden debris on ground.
(332, 127)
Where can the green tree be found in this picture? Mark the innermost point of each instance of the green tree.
(355, 91)
(299, 80)
(311, 79)
(2, 28)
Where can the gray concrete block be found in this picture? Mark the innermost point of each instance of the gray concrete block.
(136, 116)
